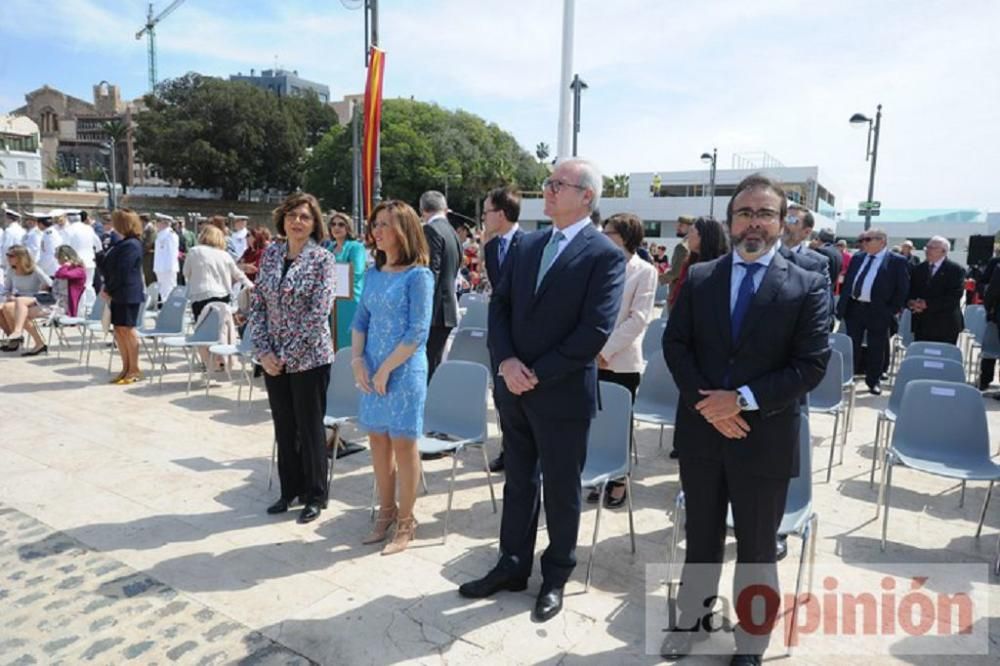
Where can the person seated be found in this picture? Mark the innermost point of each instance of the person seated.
(70, 280)
(22, 284)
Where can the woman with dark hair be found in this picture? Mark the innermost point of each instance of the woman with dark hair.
(257, 241)
(346, 249)
(707, 240)
(389, 359)
(122, 270)
(620, 360)
(290, 311)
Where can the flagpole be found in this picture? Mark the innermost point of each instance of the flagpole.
(377, 186)
(565, 108)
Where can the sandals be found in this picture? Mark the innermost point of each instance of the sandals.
(382, 524)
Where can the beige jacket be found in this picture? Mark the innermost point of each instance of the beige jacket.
(623, 350)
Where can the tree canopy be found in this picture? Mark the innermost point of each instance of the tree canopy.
(423, 147)
(228, 135)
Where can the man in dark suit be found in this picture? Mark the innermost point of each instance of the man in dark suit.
(501, 210)
(445, 260)
(875, 289)
(550, 315)
(794, 247)
(746, 340)
(826, 247)
(935, 298)
(912, 260)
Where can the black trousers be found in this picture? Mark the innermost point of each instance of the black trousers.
(874, 360)
(435, 348)
(629, 380)
(535, 442)
(298, 402)
(758, 503)
(198, 306)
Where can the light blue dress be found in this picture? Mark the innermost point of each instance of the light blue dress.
(396, 308)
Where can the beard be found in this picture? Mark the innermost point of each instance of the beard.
(754, 242)
(681, 234)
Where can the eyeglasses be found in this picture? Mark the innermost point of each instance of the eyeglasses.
(868, 239)
(302, 217)
(557, 185)
(338, 224)
(764, 214)
(487, 211)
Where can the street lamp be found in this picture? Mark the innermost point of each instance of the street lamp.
(870, 151)
(453, 176)
(705, 157)
(578, 86)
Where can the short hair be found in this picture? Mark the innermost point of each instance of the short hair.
(879, 232)
(629, 227)
(83, 216)
(508, 200)
(685, 219)
(808, 221)
(127, 223)
(842, 243)
(827, 236)
(66, 254)
(219, 222)
(212, 236)
(940, 240)
(25, 262)
(753, 182)
(342, 217)
(293, 201)
(432, 201)
(405, 223)
(909, 243)
(590, 178)
(714, 241)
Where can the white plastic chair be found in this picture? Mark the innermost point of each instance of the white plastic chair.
(205, 335)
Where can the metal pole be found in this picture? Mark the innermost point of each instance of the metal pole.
(355, 168)
(578, 85)
(711, 186)
(114, 175)
(871, 177)
(565, 119)
(377, 185)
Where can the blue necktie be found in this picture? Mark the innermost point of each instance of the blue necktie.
(859, 282)
(502, 251)
(743, 299)
(548, 256)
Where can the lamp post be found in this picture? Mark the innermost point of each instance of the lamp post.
(446, 177)
(578, 86)
(871, 151)
(113, 195)
(713, 158)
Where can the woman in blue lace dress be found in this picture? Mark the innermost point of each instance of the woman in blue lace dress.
(388, 343)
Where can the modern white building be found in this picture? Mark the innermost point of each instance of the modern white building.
(20, 155)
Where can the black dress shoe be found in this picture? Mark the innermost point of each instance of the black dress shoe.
(310, 513)
(496, 465)
(678, 644)
(593, 495)
(493, 582)
(875, 390)
(280, 506)
(674, 455)
(612, 502)
(782, 549)
(548, 604)
(44, 349)
(745, 660)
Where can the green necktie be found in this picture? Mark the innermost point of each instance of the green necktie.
(548, 256)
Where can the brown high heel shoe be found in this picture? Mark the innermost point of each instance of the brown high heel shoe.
(383, 522)
(406, 528)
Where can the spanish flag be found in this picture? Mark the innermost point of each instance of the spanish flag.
(372, 126)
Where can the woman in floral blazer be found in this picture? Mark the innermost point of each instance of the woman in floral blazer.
(290, 317)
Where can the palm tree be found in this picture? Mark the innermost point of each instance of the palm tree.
(118, 132)
(93, 173)
(542, 151)
(620, 184)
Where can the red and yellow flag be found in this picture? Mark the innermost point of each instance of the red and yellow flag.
(372, 126)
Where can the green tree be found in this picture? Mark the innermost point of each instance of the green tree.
(313, 115)
(93, 173)
(227, 135)
(421, 144)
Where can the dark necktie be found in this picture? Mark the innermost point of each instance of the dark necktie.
(860, 281)
(502, 251)
(743, 299)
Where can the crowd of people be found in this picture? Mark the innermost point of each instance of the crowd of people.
(751, 302)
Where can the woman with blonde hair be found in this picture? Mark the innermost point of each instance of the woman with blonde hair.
(23, 281)
(122, 270)
(70, 279)
(389, 359)
(210, 272)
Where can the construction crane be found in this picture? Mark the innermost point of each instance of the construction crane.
(150, 31)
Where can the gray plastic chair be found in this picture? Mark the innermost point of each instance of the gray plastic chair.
(169, 323)
(469, 344)
(915, 367)
(660, 295)
(57, 323)
(89, 326)
(477, 315)
(455, 412)
(941, 430)
(800, 519)
(205, 334)
(652, 339)
(842, 342)
(658, 396)
(342, 402)
(941, 350)
(903, 339)
(975, 325)
(608, 455)
(828, 398)
(242, 350)
(471, 296)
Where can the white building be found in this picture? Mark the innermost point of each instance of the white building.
(20, 157)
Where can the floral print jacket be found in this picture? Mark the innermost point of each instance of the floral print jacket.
(291, 315)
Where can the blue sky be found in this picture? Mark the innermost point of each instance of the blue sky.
(668, 80)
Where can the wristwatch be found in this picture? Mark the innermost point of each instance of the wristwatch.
(742, 401)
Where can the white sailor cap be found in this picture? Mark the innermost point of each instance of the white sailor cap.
(11, 214)
(160, 217)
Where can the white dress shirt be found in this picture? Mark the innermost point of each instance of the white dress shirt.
(736, 278)
(239, 241)
(508, 238)
(936, 266)
(866, 287)
(82, 238)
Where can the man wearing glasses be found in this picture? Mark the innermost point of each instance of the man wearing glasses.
(746, 340)
(550, 315)
(875, 289)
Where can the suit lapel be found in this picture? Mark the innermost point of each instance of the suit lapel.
(531, 258)
(575, 247)
(770, 285)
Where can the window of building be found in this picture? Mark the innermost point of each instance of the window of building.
(651, 228)
(22, 169)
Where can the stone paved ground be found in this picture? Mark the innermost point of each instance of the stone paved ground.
(108, 490)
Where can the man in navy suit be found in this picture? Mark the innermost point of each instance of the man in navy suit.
(875, 289)
(550, 315)
(746, 340)
(501, 210)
